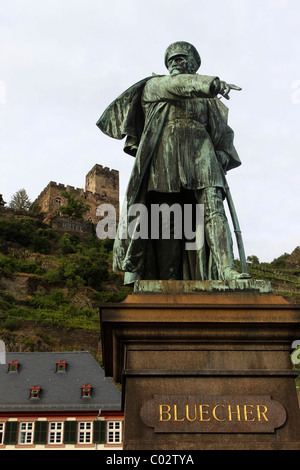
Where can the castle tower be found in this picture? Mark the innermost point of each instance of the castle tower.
(99, 180)
(103, 182)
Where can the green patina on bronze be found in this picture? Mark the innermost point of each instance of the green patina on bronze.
(176, 128)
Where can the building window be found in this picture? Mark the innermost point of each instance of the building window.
(58, 202)
(13, 366)
(26, 433)
(35, 391)
(1, 433)
(84, 433)
(55, 433)
(61, 366)
(114, 432)
(86, 391)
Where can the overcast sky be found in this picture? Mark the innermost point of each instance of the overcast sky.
(64, 61)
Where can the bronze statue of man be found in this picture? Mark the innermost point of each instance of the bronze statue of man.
(176, 128)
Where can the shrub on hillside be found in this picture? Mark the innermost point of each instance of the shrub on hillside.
(9, 265)
(84, 268)
(69, 244)
(50, 300)
(28, 232)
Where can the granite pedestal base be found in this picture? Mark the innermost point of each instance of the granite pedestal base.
(204, 368)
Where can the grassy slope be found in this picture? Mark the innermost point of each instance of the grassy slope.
(55, 280)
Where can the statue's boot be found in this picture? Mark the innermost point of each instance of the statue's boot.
(232, 274)
(218, 234)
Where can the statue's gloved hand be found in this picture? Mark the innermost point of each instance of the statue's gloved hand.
(225, 88)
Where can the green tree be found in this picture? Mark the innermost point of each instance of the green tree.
(20, 200)
(75, 207)
(253, 259)
(2, 202)
(35, 208)
(280, 262)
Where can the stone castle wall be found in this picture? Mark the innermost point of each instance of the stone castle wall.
(70, 225)
(102, 186)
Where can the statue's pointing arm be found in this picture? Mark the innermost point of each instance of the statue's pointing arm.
(186, 86)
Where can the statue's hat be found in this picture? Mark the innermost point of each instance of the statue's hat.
(182, 48)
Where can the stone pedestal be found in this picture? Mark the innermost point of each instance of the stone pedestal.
(204, 366)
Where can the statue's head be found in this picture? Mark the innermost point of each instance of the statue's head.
(182, 57)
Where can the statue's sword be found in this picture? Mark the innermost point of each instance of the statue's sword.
(237, 230)
(235, 222)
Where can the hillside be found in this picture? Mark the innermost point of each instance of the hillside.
(283, 272)
(51, 285)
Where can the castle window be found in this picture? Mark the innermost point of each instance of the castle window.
(35, 391)
(57, 201)
(61, 366)
(13, 366)
(86, 391)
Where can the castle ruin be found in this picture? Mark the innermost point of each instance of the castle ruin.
(101, 186)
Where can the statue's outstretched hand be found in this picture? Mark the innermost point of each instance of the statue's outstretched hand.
(226, 88)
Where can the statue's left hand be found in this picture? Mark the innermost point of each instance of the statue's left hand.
(226, 88)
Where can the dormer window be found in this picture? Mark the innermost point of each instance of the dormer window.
(35, 391)
(86, 391)
(61, 366)
(13, 366)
